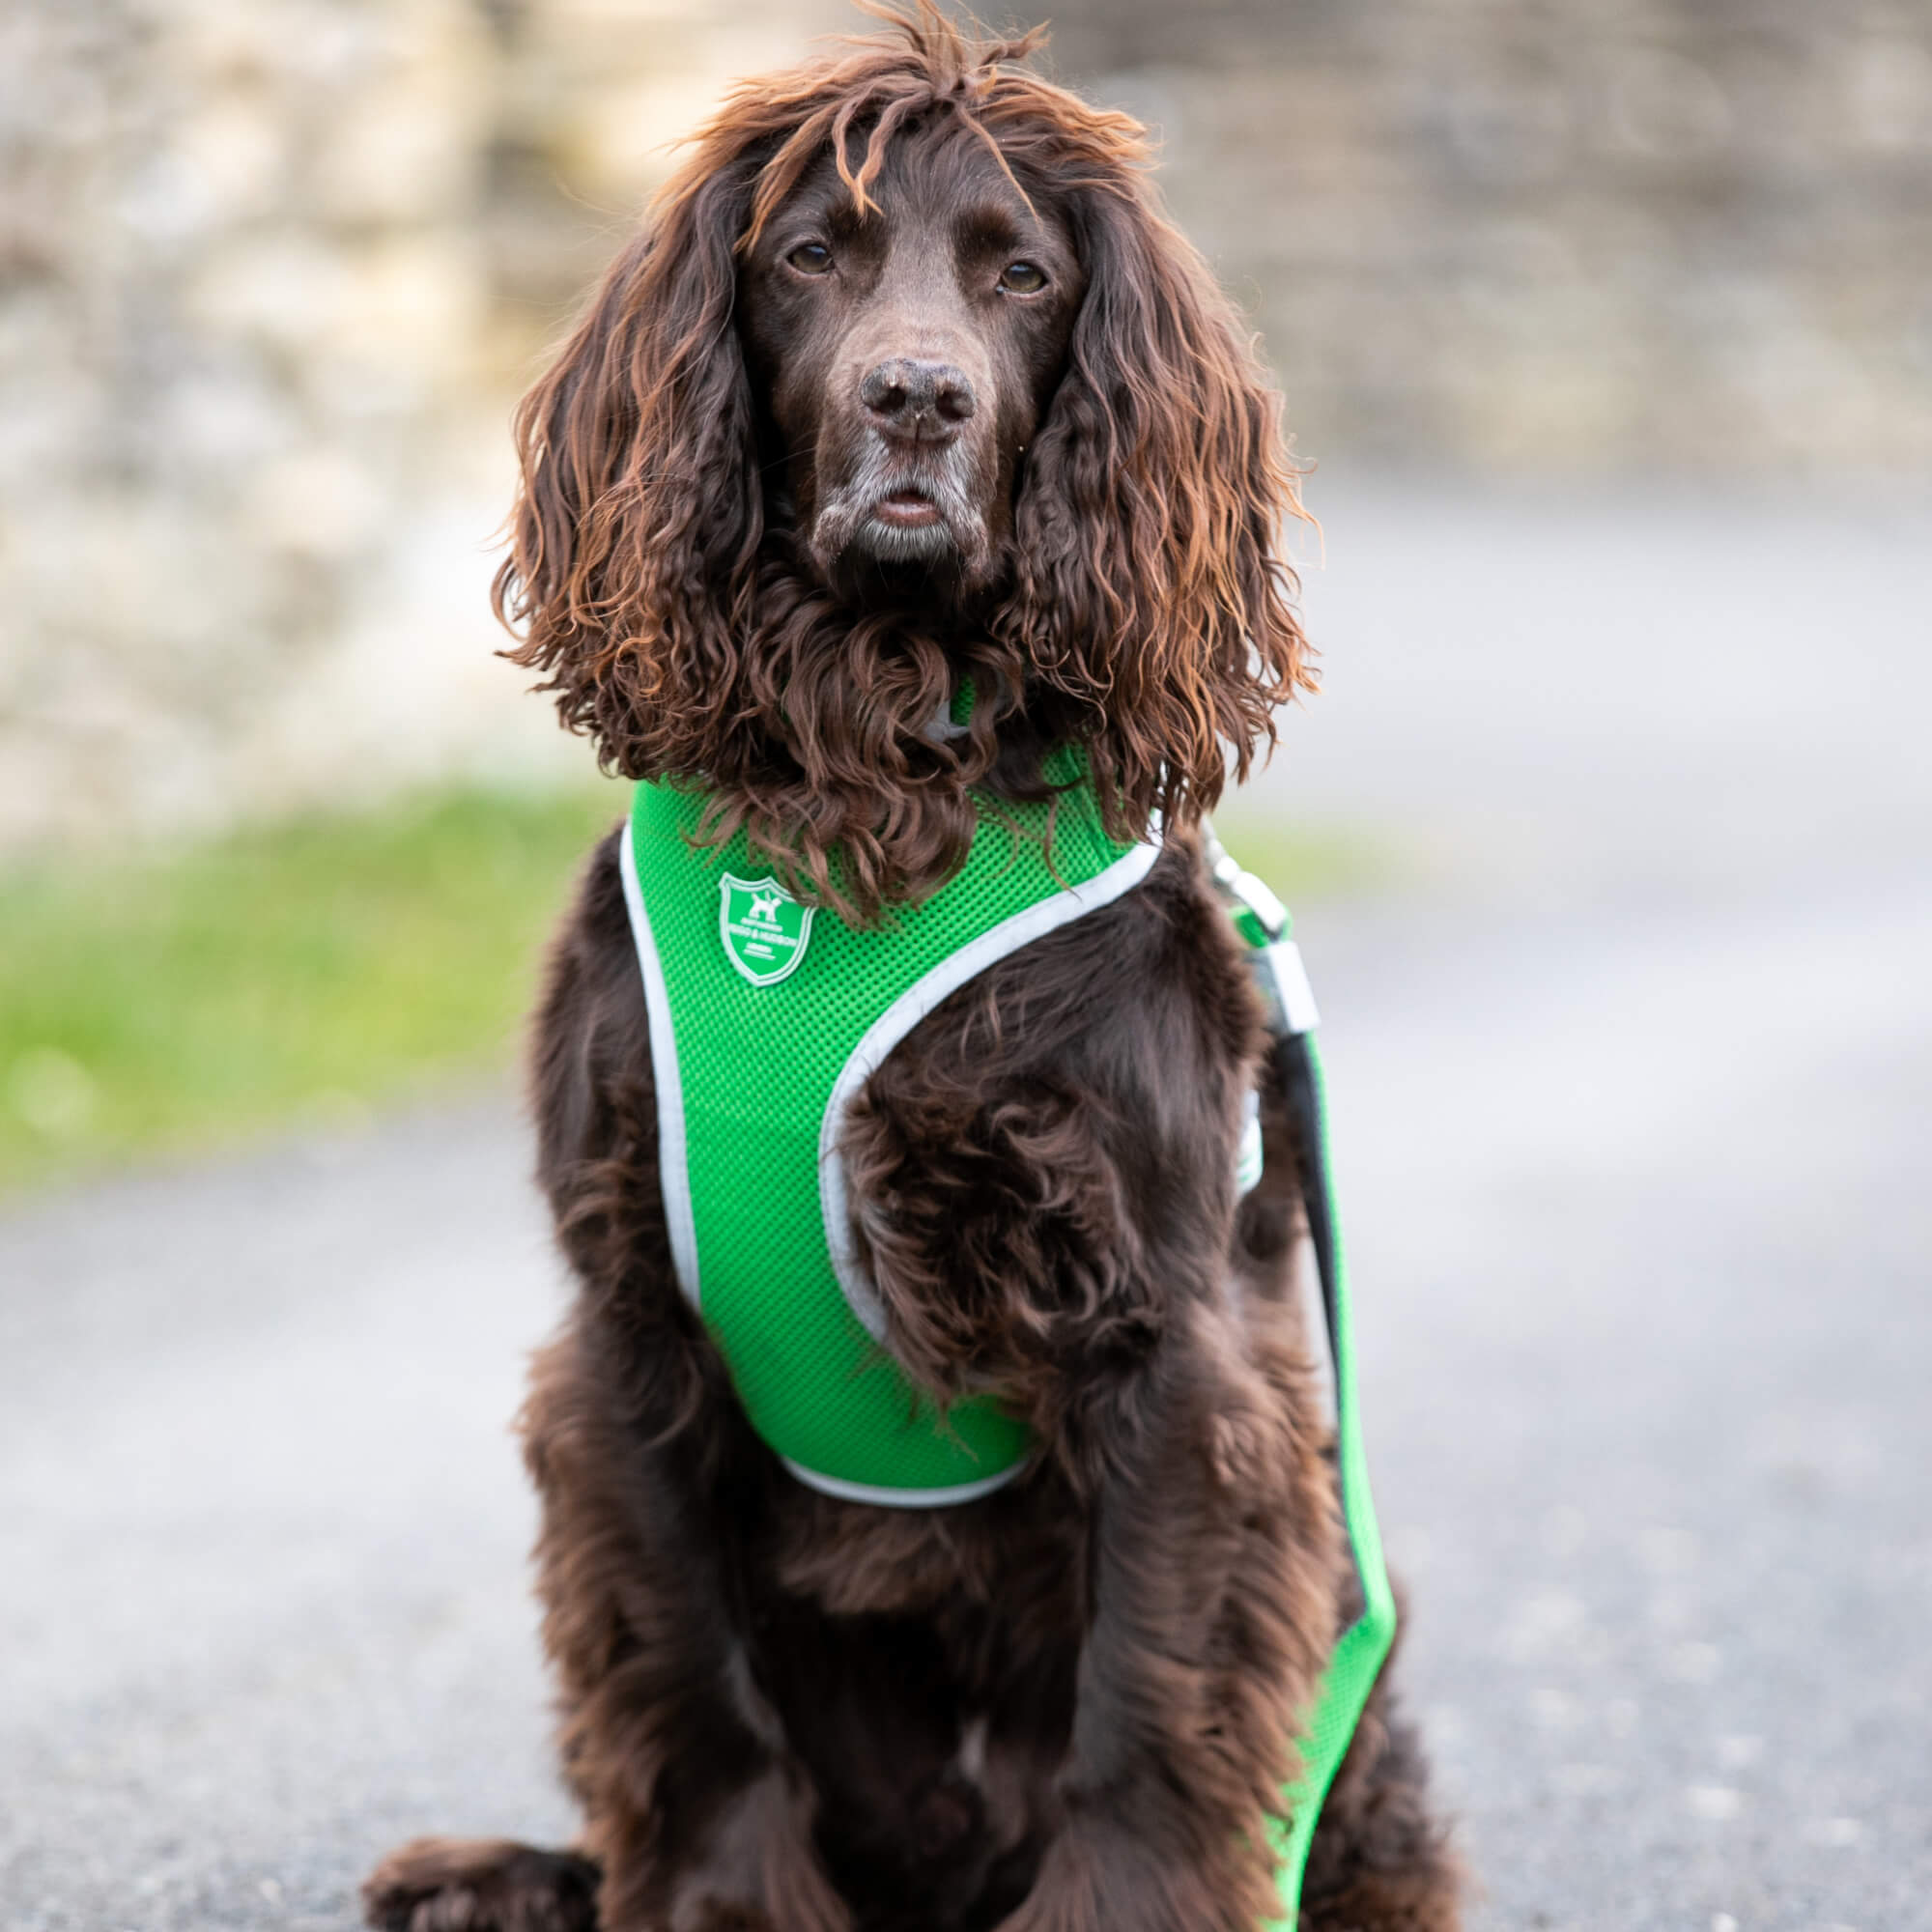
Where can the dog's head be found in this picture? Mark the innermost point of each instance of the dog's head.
(905, 334)
(907, 381)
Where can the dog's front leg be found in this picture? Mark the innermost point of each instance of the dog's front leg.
(1046, 1207)
(758, 1867)
(1213, 1596)
(740, 1859)
(698, 1814)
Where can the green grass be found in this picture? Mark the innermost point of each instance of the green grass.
(1306, 866)
(313, 970)
(308, 970)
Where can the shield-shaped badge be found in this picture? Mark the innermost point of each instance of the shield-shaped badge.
(763, 928)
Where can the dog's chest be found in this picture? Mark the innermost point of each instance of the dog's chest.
(767, 1016)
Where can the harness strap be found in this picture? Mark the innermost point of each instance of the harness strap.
(1361, 1650)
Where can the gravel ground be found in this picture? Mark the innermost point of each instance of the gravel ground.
(1633, 1059)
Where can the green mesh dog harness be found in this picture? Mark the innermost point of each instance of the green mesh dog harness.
(767, 1017)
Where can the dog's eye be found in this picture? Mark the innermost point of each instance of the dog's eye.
(810, 258)
(1022, 278)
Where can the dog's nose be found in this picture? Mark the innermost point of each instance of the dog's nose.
(918, 398)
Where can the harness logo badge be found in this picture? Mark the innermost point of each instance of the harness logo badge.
(765, 931)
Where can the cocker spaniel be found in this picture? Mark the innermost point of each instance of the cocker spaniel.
(904, 512)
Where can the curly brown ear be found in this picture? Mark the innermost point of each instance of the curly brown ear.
(637, 530)
(1147, 585)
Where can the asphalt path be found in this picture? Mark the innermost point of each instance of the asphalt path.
(1631, 1060)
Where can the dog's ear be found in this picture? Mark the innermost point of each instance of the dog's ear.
(1148, 588)
(636, 533)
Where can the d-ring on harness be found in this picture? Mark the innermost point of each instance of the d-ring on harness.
(1275, 960)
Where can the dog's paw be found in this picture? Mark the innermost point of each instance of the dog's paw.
(480, 1884)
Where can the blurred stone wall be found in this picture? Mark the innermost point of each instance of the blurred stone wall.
(273, 270)
(1558, 235)
(272, 273)
(245, 332)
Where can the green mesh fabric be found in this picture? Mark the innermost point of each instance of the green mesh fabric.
(758, 1066)
(1364, 1645)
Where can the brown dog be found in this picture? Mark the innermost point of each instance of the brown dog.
(905, 384)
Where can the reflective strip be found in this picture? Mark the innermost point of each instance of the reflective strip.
(885, 1498)
(1291, 980)
(673, 1167)
(900, 1017)
(1250, 1160)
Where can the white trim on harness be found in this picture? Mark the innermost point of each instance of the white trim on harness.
(903, 1014)
(673, 1163)
(1291, 985)
(891, 1498)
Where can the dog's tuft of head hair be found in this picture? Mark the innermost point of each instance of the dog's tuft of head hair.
(1100, 561)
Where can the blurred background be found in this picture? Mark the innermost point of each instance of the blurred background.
(1606, 326)
(274, 272)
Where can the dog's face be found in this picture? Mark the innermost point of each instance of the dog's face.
(905, 355)
(906, 383)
